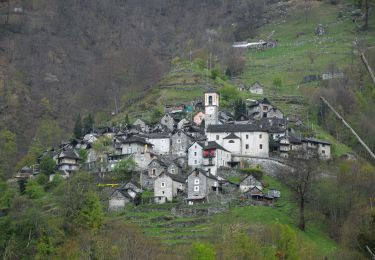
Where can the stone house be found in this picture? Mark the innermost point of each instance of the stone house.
(168, 121)
(141, 124)
(168, 186)
(182, 123)
(68, 161)
(309, 145)
(160, 141)
(198, 118)
(275, 113)
(253, 139)
(258, 108)
(215, 156)
(156, 167)
(180, 143)
(195, 155)
(117, 200)
(135, 145)
(322, 148)
(199, 185)
(250, 182)
(90, 138)
(256, 88)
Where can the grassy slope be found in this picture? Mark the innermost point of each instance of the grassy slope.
(289, 62)
(156, 221)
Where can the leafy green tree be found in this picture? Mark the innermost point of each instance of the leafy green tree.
(8, 149)
(228, 94)
(215, 73)
(34, 190)
(124, 169)
(47, 165)
(287, 246)
(77, 131)
(201, 251)
(91, 213)
(82, 153)
(156, 115)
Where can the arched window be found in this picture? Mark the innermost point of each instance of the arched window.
(231, 141)
(210, 100)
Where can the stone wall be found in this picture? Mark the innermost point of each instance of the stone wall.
(270, 166)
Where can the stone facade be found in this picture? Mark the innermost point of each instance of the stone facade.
(180, 143)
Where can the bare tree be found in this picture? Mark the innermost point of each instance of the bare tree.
(300, 180)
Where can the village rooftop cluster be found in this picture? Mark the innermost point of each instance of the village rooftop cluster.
(185, 156)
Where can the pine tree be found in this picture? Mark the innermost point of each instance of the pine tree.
(78, 127)
(88, 123)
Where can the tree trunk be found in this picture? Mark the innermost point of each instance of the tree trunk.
(365, 27)
(302, 221)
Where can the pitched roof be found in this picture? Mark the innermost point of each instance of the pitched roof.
(69, 154)
(177, 178)
(231, 128)
(264, 101)
(231, 136)
(313, 140)
(214, 145)
(135, 139)
(205, 173)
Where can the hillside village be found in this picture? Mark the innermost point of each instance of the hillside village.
(188, 156)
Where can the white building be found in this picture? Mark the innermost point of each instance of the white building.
(256, 88)
(214, 157)
(195, 155)
(241, 139)
(211, 101)
(161, 142)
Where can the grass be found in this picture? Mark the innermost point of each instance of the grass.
(157, 221)
(289, 61)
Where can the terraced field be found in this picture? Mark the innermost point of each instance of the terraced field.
(158, 222)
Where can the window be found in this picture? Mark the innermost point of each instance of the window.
(154, 163)
(247, 136)
(172, 171)
(247, 147)
(323, 152)
(195, 162)
(260, 136)
(261, 146)
(178, 141)
(163, 192)
(217, 137)
(231, 142)
(166, 121)
(196, 188)
(196, 181)
(162, 184)
(210, 100)
(153, 172)
(129, 150)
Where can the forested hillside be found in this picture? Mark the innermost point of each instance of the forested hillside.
(61, 58)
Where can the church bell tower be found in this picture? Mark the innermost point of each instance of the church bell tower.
(211, 103)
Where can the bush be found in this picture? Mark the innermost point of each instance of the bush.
(257, 173)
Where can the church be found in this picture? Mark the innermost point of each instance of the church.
(244, 140)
